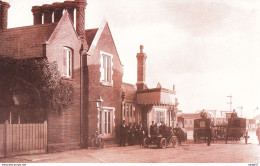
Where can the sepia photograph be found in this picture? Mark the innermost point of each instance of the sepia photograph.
(129, 81)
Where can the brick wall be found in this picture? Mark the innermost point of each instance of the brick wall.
(110, 94)
(64, 127)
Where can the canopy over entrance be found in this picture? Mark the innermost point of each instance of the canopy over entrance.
(156, 96)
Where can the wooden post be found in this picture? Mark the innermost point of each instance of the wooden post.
(5, 138)
(45, 135)
(10, 117)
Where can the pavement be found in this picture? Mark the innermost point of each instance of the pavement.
(233, 152)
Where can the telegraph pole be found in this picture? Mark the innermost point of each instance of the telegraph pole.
(241, 109)
(230, 102)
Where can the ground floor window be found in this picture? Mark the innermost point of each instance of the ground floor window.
(106, 122)
(160, 115)
(128, 113)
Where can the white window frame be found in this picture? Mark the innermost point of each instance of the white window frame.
(102, 130)
(161, 111)
(67, 56)
(106, 79)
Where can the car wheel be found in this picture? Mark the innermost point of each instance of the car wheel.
(163, 143)
(146, 142)
(174, 142)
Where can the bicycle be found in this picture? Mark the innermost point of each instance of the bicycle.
(98, 141)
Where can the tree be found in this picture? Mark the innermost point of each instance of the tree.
(33, 84)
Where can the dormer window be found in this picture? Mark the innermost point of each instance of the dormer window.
(106, 69)
(67, 63)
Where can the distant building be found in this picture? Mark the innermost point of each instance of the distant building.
(189, 120)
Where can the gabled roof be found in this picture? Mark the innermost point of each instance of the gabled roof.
(25, 42)
(97, 36)
(90, 34)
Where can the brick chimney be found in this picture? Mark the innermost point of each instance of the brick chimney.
(141, 58)
(58, 11)
(4, 6)
(37, 15)
(80, 17)
(1, 14)
(47, 12)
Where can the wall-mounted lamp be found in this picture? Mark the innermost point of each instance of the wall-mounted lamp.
(100, 102)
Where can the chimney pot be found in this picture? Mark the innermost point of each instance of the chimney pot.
(4, 15)
(80, 18)
(47, 11)
(141, 48)
(37, 15)
(0, 14)
(141, 68)
(58, 11)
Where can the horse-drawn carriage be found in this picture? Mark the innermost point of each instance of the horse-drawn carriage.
(236, 129)
(201, 129)
(165, 138)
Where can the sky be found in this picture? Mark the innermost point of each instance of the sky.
(208, 49)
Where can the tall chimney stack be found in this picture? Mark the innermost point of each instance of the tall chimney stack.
(37, 15)
(47, 11)
(1, 14)
(141, 65)
(80, 17)
(58, 11)
(4, 6)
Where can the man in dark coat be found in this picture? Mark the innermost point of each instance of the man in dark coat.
(162, 128)
(140, 134)
(152, 129)
(123, 133)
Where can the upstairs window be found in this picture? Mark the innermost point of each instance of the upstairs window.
(106, 68)
(67, 63)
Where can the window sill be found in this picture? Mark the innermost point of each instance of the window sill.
(67, 78)
(105, 83)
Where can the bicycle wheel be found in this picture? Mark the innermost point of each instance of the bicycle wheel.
(102, 143)
(95, 143)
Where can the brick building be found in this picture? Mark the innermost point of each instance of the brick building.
(88, 59)
(141, 103)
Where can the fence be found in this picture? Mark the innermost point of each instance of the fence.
(19, 139)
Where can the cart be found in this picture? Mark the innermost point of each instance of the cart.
(200, 130)
(236, 130)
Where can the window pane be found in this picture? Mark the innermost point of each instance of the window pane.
(106, 122)
(109, 121)
(100, 123)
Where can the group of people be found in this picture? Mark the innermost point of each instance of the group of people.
(133, 133)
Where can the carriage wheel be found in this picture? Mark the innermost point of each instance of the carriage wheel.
(194, 138)
(146, 142)
(163, 143)
(226, 137)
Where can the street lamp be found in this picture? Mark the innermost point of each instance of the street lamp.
(100, 102)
